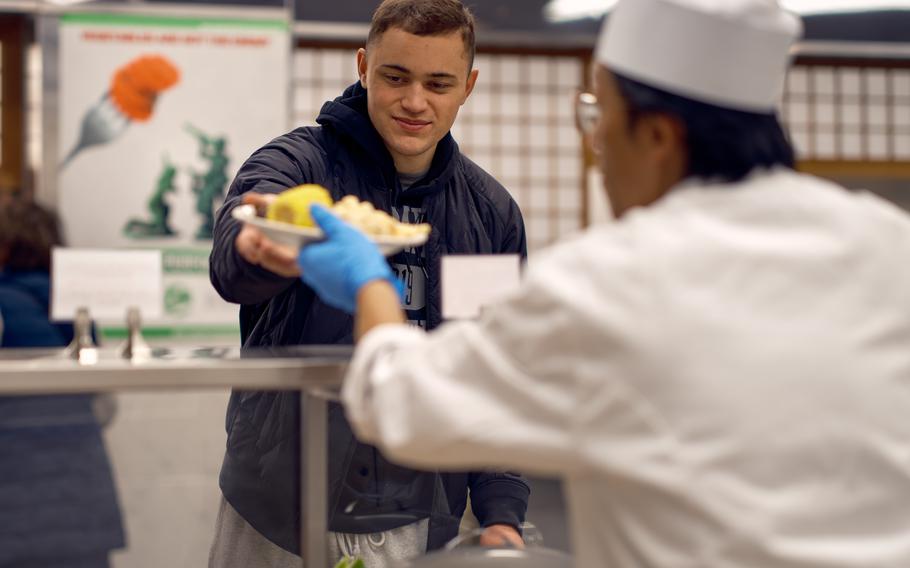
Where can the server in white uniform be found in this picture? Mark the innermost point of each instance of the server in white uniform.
(721, 375)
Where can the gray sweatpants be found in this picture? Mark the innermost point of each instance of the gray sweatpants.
(239, 545)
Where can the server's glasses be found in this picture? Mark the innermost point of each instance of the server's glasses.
(587, 112)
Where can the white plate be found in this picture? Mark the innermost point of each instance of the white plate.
(296, 237)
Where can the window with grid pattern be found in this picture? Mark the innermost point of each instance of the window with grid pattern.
(518, 125)
(33, 102)
(849, 112)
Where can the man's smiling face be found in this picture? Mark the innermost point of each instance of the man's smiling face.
(415, 86)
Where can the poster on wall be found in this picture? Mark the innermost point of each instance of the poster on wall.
(156, 116)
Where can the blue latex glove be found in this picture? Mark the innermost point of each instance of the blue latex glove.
(344, 262)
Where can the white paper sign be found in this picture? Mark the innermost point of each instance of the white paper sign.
(471, 282)
(107, 282)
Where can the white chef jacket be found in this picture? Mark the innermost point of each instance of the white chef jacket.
(722, 378)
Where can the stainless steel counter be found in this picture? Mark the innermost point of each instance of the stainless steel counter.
(42, 371)
(316, 371)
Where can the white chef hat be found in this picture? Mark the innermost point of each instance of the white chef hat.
(729, 53)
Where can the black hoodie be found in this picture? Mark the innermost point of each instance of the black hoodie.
(471, 213)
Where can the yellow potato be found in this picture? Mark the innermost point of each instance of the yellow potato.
(293, 205)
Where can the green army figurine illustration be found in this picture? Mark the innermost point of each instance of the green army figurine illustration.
(209, 187)
(158, 208)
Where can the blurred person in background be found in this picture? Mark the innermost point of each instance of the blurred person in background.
(58, 502)
(385, 140)
(721, 375)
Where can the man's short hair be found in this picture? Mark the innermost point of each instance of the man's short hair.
(721, 143)
(425, 18)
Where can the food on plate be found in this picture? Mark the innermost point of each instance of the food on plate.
(293, 205)
(374, 222)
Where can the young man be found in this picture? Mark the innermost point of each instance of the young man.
(723, 374)
(385, 140)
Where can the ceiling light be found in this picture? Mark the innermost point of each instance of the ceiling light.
(66, 2)
(559, 11)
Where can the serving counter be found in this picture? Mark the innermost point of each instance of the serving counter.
(314, 371)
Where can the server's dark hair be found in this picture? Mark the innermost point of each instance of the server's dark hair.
(722, 143)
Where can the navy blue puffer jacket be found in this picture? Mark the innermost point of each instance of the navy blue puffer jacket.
(470, 213)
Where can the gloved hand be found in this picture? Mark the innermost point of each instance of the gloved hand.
(345, 261)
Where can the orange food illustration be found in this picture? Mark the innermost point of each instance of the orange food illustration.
(135, 86)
